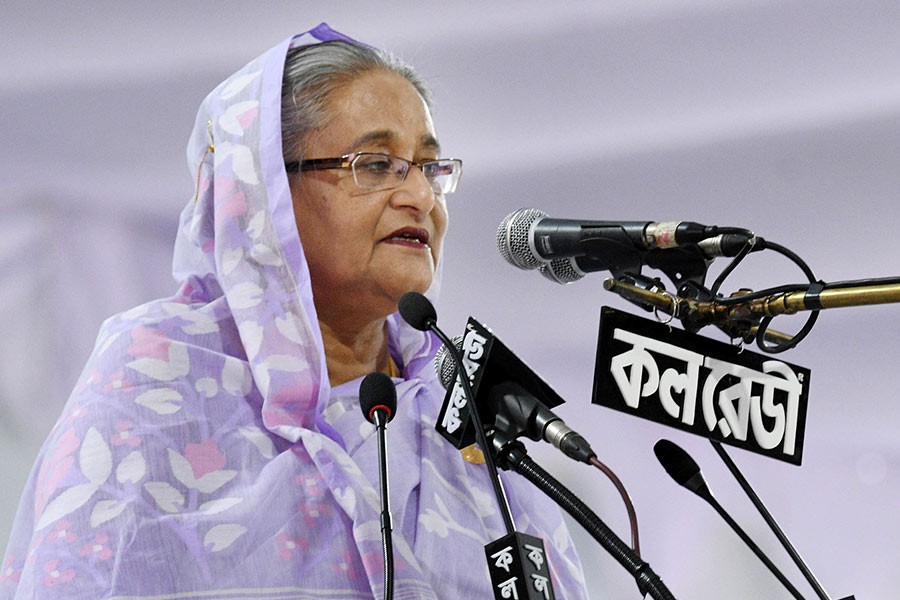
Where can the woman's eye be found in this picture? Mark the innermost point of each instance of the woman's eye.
(376, 165)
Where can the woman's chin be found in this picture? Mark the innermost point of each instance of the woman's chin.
(410, 283)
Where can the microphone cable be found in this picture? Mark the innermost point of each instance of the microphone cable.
(626, 498)
(766, 321)
(516, 458)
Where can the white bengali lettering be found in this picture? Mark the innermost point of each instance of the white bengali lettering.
(743, 412)
(503, 558)
(535, 555)
(541, 584)
(735, 411)
(508, 588)
(629, 367)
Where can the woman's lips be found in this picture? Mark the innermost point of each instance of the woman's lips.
(408, 236)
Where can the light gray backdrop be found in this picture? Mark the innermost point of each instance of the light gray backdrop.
(781, 117)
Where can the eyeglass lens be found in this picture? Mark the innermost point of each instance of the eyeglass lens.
(382, 171)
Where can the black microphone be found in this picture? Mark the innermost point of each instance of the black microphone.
(528, 238)
(509, 400)
(378, 398)
(570, 269)
(685, 471)
(378, 402)
(418, 312)
(479, 347)
(516, 561)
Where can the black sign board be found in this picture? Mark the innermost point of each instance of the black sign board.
(487, 362)
(700, 385)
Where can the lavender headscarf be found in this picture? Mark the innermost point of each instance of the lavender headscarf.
(203, 453)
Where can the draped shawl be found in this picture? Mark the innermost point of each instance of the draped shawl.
(203, 453)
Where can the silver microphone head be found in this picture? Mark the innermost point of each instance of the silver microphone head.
(444, 365)
(561, 270)
(513, 238)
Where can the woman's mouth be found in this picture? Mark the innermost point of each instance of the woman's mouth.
(408, 236)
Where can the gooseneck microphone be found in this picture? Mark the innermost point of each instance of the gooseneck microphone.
(378, 402)
(685, 471)
(418, 311)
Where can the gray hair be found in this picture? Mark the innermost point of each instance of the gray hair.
(312, 73)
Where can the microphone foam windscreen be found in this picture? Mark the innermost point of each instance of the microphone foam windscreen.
(677, 463)
(417, 310)
(377, 391)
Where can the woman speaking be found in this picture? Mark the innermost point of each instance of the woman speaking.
(213, 447)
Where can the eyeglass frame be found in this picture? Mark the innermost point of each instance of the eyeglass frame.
(347, 162)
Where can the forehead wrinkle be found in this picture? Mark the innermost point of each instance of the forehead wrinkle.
(387, 137)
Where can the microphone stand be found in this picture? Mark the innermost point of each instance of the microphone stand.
(511, 455)
(770, 520)
(742, 319)
(386, 529)
(378, 402)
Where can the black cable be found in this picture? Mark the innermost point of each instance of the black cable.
(766, 321)
(793, 257)
(735, 231)
(742, 253)
(804, 287)
(772, 291)
(863, 282)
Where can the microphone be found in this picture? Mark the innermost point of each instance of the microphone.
(418, 312)
(520, 410)
(571, 269)
(506, 555)
(528, 238)
(378, 398)
(378, 402)
(685, 471)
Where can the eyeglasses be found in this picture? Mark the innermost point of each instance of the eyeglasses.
(375, 171)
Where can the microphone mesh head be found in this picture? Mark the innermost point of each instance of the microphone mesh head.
(444, 365)
(512, 238)
(561, 270)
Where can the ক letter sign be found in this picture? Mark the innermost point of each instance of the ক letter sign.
(703, 386)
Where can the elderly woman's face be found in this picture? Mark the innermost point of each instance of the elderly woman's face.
(365, 247)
